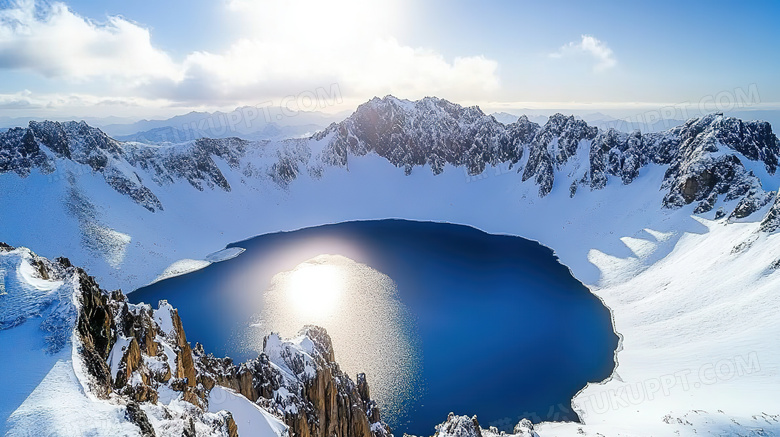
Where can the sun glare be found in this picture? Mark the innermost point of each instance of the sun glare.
(315, 22)
(314, 290)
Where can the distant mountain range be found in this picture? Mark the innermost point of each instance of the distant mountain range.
(170, 134)
(248, 122)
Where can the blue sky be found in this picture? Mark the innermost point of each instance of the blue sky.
(143, 58)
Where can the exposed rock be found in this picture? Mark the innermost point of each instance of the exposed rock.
(189, 429)
(313, 396)
(459, 426)
(231, 426)
(136, 415)
(465, 426)
(131, 361)
(703, 156)
(525, 428)
(752, 202)
(121, 356)
(185, 367)
(771, 221)
(430, 131)
(96, 329)
(703, 164)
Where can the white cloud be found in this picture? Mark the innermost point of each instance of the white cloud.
(75, 105)
(299, 45)
(389, 67)
(287, 48)
(591, 46)
(256, 69)
(53, 41)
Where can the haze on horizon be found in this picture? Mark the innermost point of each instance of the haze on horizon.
(143, 59)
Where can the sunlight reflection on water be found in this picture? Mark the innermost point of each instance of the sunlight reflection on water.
(372, 331)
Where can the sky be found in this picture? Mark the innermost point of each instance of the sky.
(153, 58)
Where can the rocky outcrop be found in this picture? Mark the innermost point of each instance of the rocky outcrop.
(524, 428)
(96, 329)
(300, 380)
(705, 163)
(459, 426)
(185, 366)
(771, 221)
(136, 415)
(552, 147)
(133, 355)
(465, 426)
(41, 144)
(430, 132)
(614, 153)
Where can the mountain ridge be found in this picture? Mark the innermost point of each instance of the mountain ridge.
(704, 155)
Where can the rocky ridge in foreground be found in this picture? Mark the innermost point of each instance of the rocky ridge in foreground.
(139, 359)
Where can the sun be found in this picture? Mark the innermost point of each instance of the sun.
(314, 22)
(314, 290)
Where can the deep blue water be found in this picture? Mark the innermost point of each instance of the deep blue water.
(504, 330)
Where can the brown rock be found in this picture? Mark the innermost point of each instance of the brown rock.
(132, 357)
(232, 428)
(136, 415)
(96, 330)
(185, 366)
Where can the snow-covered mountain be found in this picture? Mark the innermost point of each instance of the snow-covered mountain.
(676, 231)
(707, 158)
(90, 363)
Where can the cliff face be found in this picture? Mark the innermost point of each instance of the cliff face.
(300, 380)
(139, 358)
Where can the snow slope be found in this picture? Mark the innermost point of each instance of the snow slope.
(252, 420)
(41, 392)
(59, 406)
(699, 329)
(49, 385)
(34, 314)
